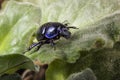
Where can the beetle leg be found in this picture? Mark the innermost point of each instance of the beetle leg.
(57, 37)
(33, 45)
(38, 47)
(39, 44)
(52, 44)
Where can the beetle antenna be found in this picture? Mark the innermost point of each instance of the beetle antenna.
(72, 27)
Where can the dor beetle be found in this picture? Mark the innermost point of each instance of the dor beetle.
(49, 32)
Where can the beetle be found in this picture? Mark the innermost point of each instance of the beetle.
(50, 32)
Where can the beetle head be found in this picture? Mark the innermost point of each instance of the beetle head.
(64, 31)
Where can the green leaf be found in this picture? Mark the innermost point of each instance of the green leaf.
(86, 74)
(11, 77)
(13, 62)
(18, 21)
(103, 62)
(98, 27)
(98, 23)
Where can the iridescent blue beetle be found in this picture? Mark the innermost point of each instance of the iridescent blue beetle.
(51, 31)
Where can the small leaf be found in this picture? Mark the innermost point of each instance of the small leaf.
(11, 77)
(86, 74)
(13, 62)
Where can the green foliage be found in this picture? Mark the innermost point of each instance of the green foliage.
(10, 77)
(17, 23)
(86, 74)
(103, 62)
(13, 62)
(94, 45)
